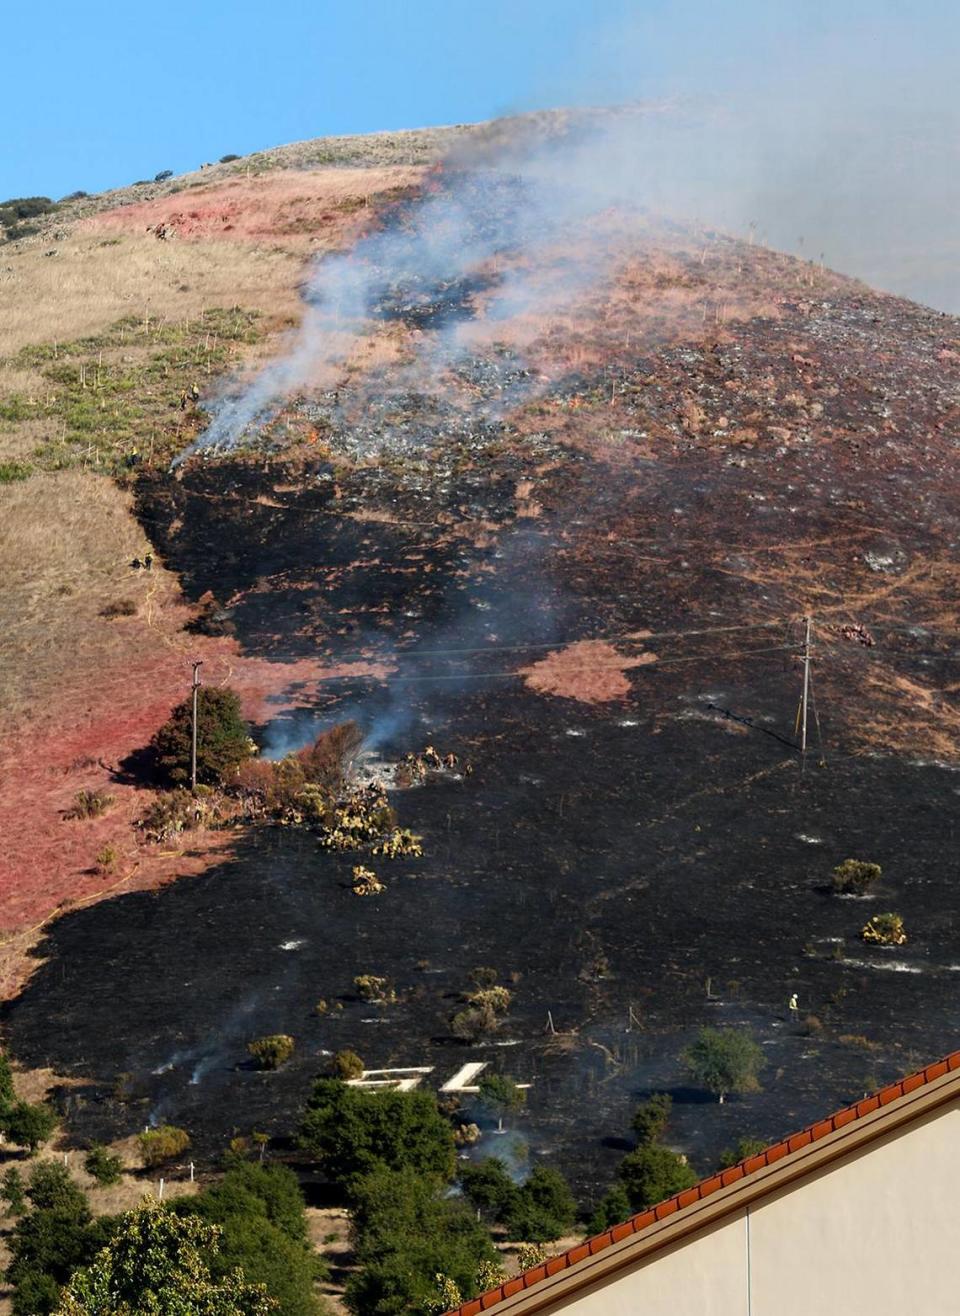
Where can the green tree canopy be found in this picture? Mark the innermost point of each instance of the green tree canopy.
(406, 1232)
(223, 738)
(55, 1236)
(743, 1148)
(613, 1208)
(501, 1094)
(260, 1212)
(7, 1094)
(488, 1186)
(158, 1262)
(652, 1173)
(29, 1124)
(542, 1209)
(725, 1060)
(353, 1131)
(651, 1118)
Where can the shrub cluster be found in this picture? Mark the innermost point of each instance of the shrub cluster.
(537, 1211)
(272, 1052)
(885, 930)
(162, 1144)
(854, 876)
(90, 804)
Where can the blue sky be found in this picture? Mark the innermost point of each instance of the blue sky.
(108, 93)
(842, 122)
(100, 94)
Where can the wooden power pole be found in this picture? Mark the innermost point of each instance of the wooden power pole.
(805, 698)
(192, 746)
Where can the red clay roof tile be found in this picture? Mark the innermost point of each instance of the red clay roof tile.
(637, 1223)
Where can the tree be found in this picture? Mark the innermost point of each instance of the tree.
(55, 1236)
(725, 1060)
(501, 1094)
(612, 1209)
(744, 1147)
(28, 1124)
(260, 1211)
(223, 738)
(105, 1167)
(543, 1208)
(652, 1173)
(7, 1093)
(13, 1192)
(651, 1118)
(52, 1189)
(159, 1262)
(489, 1187)
(406, 1232)
(353, 1131)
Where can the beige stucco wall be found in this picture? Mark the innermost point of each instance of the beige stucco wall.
(874, 1234)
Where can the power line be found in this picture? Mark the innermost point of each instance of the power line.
(591, 667)
(623, 637)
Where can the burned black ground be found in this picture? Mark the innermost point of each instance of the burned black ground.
(602, 857)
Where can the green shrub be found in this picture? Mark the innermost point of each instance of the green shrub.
(378, 991)
(854, 876)
(90, 804)
(272, 1052)
(347, 1064)
(23, 207)
(107, 859)
(162, 1144)
(228, 159)
(474, 1022)
(496, 999)
(223, 738)
(173, 812)
(57, 1234)
(10, 472)
(105, 1167)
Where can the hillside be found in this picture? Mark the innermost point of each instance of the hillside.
(564, 526)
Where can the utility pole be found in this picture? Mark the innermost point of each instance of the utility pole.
(804, 701)
(192, 748)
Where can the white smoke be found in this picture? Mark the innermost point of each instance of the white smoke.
(823, 138)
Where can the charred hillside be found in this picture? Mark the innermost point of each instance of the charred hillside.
(579, 566)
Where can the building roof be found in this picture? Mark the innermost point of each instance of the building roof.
(840, 1130)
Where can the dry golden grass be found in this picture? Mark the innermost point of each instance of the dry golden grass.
(93, 282)
(66, 540)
